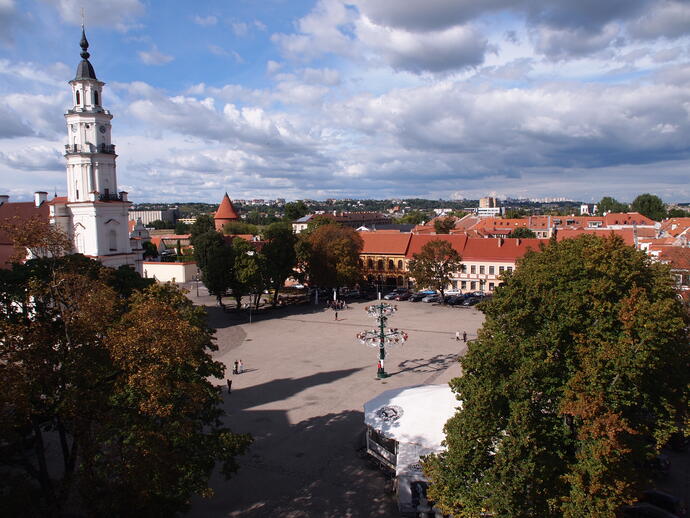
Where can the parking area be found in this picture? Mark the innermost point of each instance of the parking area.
(301, 396)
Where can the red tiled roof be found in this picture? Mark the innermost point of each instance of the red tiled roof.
(675, 226)
(226, 211)
(627, 218)
(678, 257)
(58, 200)
(385, 242)
(628, 234)
(417, 241)
(497, 249)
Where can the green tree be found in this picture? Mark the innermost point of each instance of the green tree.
(522, 232)
(216, 261)
(239, 227)
(444, 225)
(414, 217)
(649, 205)
(516, 213)
(318, 221)
(248, 271)
(579, 375)
(678, 213)
(609, 204)
(433, 266)
(150, 250)
(182, 228)
(204, 223)
(330, 255)
(159, 224)
(106, 404)
(279, 255)
(295, 210)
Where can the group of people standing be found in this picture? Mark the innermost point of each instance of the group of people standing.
(464, 336)
(237, 368)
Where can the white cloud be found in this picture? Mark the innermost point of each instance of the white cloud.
(220, 51)
(34, 158)
(205, 21)
(273, 66)
(670, 19)
(110, 13)
(154, 56)
(240, 29)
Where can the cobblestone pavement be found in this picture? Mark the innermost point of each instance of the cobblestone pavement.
(306, 380)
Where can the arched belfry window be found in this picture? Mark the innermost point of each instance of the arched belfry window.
(95, 98)
(78, 98)
(112, 238)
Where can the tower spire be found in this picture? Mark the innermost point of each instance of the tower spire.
(84, 69)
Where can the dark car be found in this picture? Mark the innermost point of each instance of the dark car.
(455, 300)
(416, 297)
(434, 297)
(403, 296)
(394, 293)
(471, 301)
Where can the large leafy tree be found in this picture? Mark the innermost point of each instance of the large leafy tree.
(279, 255)
(216, 261)
(649, 205)
(203, 223)
(444, 225)
(295, 210)
(248, 271)
(434, 264)
(609, 204)
(578, 377)
(329, 255)
(522, 233)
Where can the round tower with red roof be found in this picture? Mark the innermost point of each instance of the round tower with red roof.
(225, 213)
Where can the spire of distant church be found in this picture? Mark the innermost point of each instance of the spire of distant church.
(84, 69)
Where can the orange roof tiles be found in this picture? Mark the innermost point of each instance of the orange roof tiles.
(385, 242)
(627, 234)
(678, 257)
(497, 249)
(417, 241)
(225, 210)
(676, 226)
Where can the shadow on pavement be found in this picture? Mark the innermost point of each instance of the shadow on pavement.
(316, 467)
(434, 364)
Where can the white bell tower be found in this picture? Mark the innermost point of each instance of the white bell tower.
(97, 213)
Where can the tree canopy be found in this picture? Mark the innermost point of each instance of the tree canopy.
(522, 233)
(414, 217)
(578, 376)
(216, 261)
(609, 204)
(279, 255)
(435, 263)
(444, 225)
(295, 210)
(649, 205)
(204, 223)
(114, 373)
(329, 255)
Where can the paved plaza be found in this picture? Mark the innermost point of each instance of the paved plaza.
(306, 380)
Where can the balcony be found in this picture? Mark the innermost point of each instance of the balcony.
(109, 197)
(108, 149)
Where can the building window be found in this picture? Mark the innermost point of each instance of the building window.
(482, 269)
(473, 268)
(463, 268)
(95, 98)
(463, 285)
(491, 286)
(454, 284)
(370, 264)
(510, 269)
(379, 265)
(78, 98)
(473, 285)
(400, 265)
(501, 269)
(391, 264)
(491, 270)
(112, 238)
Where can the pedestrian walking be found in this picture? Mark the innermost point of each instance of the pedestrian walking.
(235, 367)
(464, 336)
(229, 385)
(336, 314)
(240, 367)
(457, 336)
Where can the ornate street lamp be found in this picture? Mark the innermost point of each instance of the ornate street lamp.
(382, 337)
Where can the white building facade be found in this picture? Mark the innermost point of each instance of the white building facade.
(94, 214)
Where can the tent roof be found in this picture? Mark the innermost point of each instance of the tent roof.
(413, 414)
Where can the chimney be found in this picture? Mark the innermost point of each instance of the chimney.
(40, 197)
(517, 242)
(500, 242)
(123, 195)
(4, 198)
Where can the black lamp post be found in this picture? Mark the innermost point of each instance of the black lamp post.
(382, 336)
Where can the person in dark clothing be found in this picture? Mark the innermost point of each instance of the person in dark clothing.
(229, 385)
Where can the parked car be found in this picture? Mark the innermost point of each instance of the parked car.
(471, 301)
(432, 298)
(394, 293)
(403, 296)
(416, 297)
(455, 300)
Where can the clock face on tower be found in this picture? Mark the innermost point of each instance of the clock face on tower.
(102, 129)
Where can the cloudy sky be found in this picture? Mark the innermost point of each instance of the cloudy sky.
(358, 98)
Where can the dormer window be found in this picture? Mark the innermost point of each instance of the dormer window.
(78, 98)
